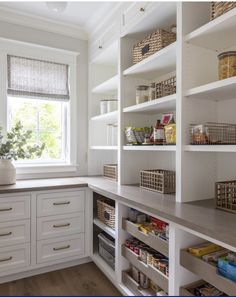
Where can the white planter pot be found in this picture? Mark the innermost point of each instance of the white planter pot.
(7, 172)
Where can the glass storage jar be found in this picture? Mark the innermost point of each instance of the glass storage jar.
(227, 64)
(152, 91)
(142, 94)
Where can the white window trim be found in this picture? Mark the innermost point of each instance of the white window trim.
(55, 55)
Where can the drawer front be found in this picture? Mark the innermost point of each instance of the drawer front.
(54, 249)
(14, 232)
(61, 225)
(14, 207)
(60, 203)
(14, 257)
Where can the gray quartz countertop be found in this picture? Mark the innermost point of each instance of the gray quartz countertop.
(200, 216)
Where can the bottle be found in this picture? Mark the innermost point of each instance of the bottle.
(158, 133)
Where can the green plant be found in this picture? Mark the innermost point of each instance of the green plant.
(14, 144)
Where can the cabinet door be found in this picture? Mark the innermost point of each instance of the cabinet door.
(61, 225)
(60, 248)
(14, 232)
(14, 207)
(60, 203)
(13, 257)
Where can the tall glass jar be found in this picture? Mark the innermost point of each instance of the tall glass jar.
(142, 94)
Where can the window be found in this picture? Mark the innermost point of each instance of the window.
(39, 96)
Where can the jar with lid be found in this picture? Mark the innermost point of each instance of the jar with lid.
(152, 91)
(227, 64)
(142, 94)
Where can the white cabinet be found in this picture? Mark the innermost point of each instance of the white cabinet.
(54, 203)
(14, 207)
(13, 257)
(14, 232)
(59, 248)
(61, 225)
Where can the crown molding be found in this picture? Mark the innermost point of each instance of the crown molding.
(41, 23)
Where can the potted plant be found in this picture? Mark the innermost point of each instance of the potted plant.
(13, 146)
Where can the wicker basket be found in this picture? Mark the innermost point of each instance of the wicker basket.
(152, 43)
(219, 8)
(158, 180)
(106, 212)
(110, 171)
(166, 87)
(226, 195)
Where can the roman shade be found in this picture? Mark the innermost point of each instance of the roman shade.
(31, 78)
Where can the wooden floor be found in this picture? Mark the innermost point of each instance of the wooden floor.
(83, 280)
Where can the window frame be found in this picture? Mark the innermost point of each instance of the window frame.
(9, 47)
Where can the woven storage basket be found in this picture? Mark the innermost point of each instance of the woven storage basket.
(158, 180)
(106, 212)
(226, 195)
(110, 171)
(166, 87)
(219, 8)
(152, 43)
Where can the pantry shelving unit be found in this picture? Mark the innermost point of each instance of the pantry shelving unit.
(104, 227)
(200, 98)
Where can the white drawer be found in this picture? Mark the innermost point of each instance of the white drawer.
(59, 248)
(60, 203)
(13, 257)
(14, 232)
(61, 225)
(14, 207)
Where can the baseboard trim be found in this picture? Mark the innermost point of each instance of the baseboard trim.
(37, 271)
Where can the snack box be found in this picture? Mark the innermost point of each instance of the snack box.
(159, 224)
(213, 257)
(227, 269)
(204, 248)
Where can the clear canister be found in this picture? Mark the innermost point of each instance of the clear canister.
(142, 94)
(227, 64)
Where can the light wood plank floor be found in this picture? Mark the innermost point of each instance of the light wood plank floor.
(82, 280)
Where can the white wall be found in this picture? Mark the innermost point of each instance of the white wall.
(39, 37)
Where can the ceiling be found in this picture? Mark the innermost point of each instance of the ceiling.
(84, 14)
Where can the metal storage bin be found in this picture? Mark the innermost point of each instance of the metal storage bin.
(106, 249)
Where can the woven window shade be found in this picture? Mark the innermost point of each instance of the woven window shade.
(37, 79)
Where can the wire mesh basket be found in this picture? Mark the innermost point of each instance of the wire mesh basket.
(220, 7)
(225, 193)
(158, 180)
(166, 87)
(212, 133)
(106, 249)
(110, 171)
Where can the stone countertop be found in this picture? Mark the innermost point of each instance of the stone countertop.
(200, 216)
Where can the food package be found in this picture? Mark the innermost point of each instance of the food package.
(204, 248)
(136, 135)
(213, 257)
(170, 133)
(200, 134)
(135, 274)
(227, 269)
(207, 290)
(144, 281)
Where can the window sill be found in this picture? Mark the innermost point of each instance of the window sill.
(52, 168)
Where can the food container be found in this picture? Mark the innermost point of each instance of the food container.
(227, 64)
(170, 134)
(152, 91)
(103, 106)
(112, 105)
(142, 94)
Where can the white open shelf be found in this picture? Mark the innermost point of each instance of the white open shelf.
(165, 148)
(110, 117)
(163, 61)
(107, 87)
(211, 148)
(103, 147)
(104, 227)
(219, 34)
(167, 103)
(219, 90)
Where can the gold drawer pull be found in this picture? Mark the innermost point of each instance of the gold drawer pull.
(61, 225)
(6, 209)
(6, 234)
(61, 203)
(6, 259)
(142, 9)
(62, 248)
